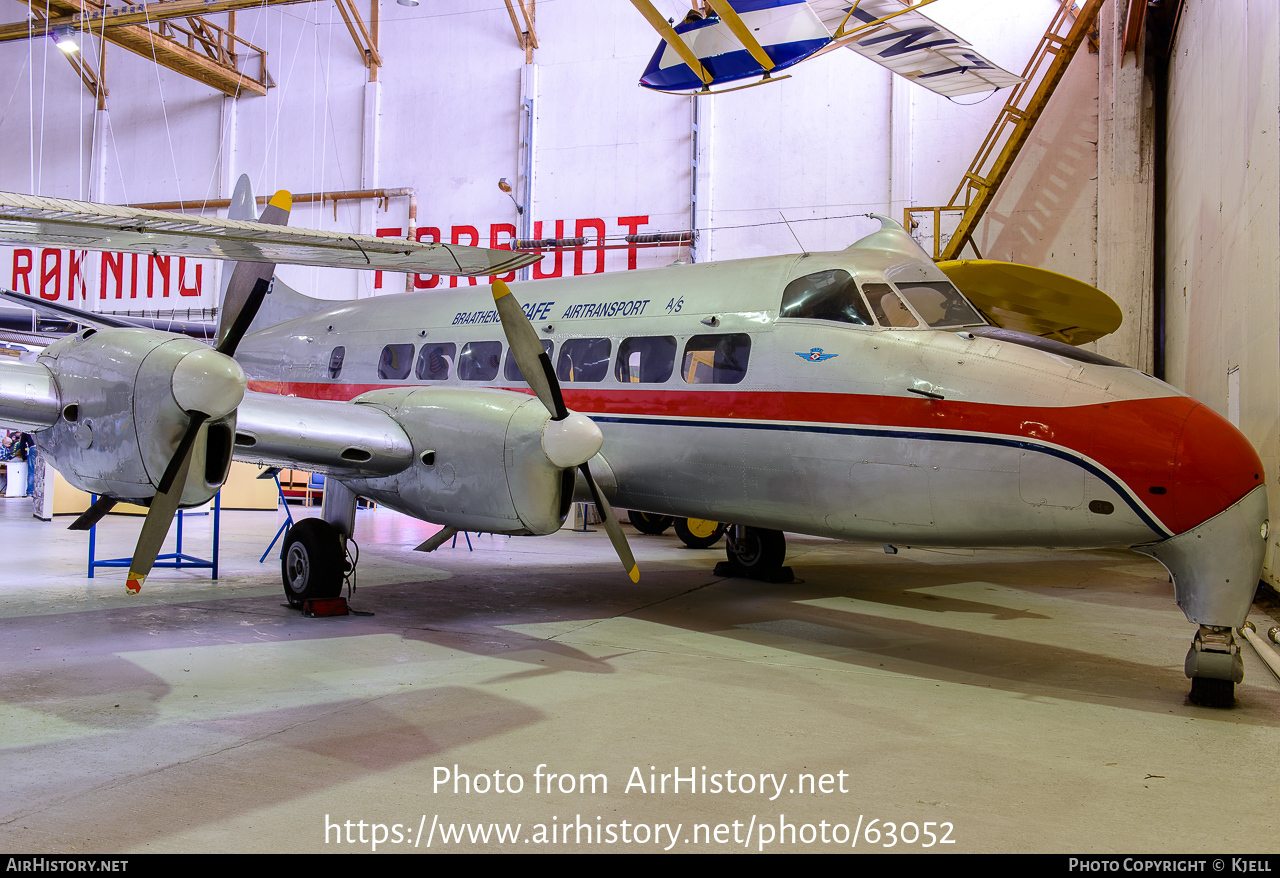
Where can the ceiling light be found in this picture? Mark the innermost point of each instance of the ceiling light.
(65, 41)
(409, 3)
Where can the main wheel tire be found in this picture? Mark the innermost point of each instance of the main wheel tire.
(1211, 692)
(758, 551)
(648, 523)
(699, 533)
(312, 563)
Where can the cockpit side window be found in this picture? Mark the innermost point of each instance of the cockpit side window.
(890, 310)
(826, 295)
(940, 304)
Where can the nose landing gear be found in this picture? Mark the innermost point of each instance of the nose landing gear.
(1214, 665)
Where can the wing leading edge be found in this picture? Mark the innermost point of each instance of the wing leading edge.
(82, 225)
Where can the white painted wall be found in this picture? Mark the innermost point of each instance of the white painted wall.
(1224, 221)
(837, 139)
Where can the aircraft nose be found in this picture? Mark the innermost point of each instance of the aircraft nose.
(1214, 465)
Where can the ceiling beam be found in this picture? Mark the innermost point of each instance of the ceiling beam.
(187, 51)
(96, 17)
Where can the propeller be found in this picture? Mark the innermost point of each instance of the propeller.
(207, 384)
(569, 439)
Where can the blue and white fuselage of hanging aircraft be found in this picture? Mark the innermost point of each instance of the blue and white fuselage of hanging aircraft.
(742, 39)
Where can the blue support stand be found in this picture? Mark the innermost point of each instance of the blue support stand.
(288, 519)
(176, 559)
(467, 536)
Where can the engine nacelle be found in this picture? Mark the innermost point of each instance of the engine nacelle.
(120, 423)
(479, 461)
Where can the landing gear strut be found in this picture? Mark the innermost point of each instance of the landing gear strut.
(1215, 666)
(756, 553)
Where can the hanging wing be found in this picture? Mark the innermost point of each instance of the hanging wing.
(746, 38)
(1035, 300)
(894, 34)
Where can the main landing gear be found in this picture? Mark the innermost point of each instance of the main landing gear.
(313, 562)
(756, 553)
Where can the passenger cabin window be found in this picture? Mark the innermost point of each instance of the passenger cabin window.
(826, 295)
(335, 361)
(584, 359)
(511, 370)
(647, 360)
(888, 307)
(940, 304)
(395, 362)
(479, 360)
(435, 361)
(716, 359)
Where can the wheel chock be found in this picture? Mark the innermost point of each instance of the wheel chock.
(321, 607)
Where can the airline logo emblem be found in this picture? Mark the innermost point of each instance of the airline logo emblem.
(816, 355)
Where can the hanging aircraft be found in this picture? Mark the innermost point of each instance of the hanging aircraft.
(855, 394)
(742, 39)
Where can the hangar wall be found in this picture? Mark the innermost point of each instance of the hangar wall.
(1223, 262)
(841, 137)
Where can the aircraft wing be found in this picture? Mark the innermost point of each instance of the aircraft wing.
(81, 225)
(894, 34)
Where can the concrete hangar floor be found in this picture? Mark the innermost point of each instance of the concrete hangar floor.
(1000, 701)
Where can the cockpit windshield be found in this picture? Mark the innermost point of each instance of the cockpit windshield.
(826, 295)
(940, 304)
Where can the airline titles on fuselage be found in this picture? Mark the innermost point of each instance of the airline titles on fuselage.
(542, 310)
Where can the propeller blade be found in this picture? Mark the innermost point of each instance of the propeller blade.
(181, 459)
(159, 517)
(245, 317)
(93, 514)
(246, 276)
(611, 526)
(528, 351)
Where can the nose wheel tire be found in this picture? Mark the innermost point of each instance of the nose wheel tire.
(698, 533)
(648, 523)
(1211, 692)
(312, 564)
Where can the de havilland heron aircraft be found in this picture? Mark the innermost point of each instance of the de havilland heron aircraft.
(855, 394)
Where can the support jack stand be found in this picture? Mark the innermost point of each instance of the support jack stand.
(274, 473)
(176, 559)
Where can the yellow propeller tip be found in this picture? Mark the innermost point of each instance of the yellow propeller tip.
(134, 583)
(634, 573)
(282, 199)
(500, 289)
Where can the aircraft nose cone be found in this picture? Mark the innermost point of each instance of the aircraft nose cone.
(1214, 465)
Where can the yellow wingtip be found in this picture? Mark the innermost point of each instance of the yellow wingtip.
(282, 199)
(634, 573)
(500, 289)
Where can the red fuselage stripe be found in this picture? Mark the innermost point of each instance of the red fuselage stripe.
(1174, 443)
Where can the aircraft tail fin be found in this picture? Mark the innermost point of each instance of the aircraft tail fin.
(284, 304)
